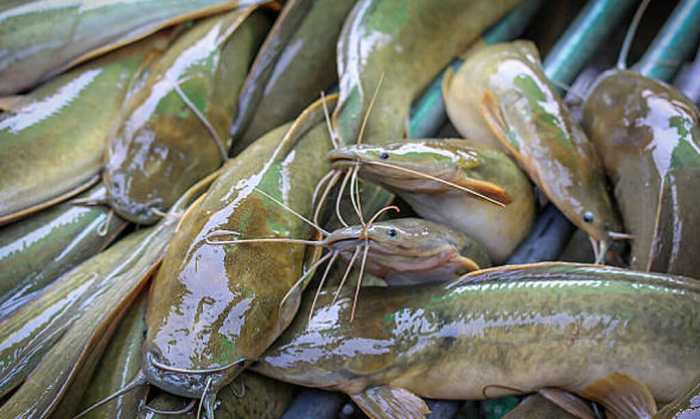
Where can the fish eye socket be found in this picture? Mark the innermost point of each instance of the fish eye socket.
(588, 217)
(383, 155)
(392, 232)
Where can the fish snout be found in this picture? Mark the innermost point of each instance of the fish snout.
(342, 159)
(179, 381)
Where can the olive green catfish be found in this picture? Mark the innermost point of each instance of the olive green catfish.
(213, 309)
(49, 149)
(500, 95)
(649, 135)
(43, 38)
(36, 250)
(295, 63)
(58, 341)
(395, 48)
(120, 363)
(448, 181)
(174, 127)
(604, 333)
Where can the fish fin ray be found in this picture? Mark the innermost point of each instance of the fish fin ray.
(622, 396)
(446, 81)
(568, 402)
(385, 402)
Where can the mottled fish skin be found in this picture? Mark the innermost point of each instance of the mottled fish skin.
(644, 129)
(37, 250)
(501, 95)
(483, 169)
(296, 62)
(42, 39)
(162, 147)
(523, 326)
(211, 304)
(48, 148)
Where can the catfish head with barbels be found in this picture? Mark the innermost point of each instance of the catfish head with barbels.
(472, 188)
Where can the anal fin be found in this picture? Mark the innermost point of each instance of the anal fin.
(622, 396)
(385, 402)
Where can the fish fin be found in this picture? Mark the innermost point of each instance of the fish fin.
(11, 103)
(468, 263)
(488, 189)
(491, 112)
(385, 402)
(622, 396)
(568, 402)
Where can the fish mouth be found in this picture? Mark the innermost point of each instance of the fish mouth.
(187, 383)
(342, 159)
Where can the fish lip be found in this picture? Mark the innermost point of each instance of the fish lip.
(341, 159)
(190, 385)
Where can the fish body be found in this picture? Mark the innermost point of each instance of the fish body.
(43, 39)
(37, 250)
(57, 342)
(524, 327)
(48, 148)
(296, 62)
(648, 134)
(501, 96)
(213, 305)
(163, 146)
(467, 164)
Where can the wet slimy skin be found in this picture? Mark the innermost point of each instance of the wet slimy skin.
(524, 326)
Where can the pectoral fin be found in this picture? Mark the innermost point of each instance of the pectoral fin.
(385, 402)
(568, 402)
(622, 396)
(489, 189)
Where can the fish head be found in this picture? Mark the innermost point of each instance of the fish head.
(404, 245)
(429, 166)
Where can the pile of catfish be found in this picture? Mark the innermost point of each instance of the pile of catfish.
(206, 204)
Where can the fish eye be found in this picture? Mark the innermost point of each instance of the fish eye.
(588, 217)
(392, 232)
(383, 155)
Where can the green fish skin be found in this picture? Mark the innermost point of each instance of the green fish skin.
(41, 39)
(525, 327)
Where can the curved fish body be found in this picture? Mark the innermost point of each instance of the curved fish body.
(295, 64)
(401, 168)
(57, 341)
(42, 39)
(648, 134)
(214, 305)
(174, 128)
(119, 365)
(575, 327)
(405, 44)
(250, 395)
(49, 149)
(36, 251)
(501, 96)
(408, 251)
(685, 407)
